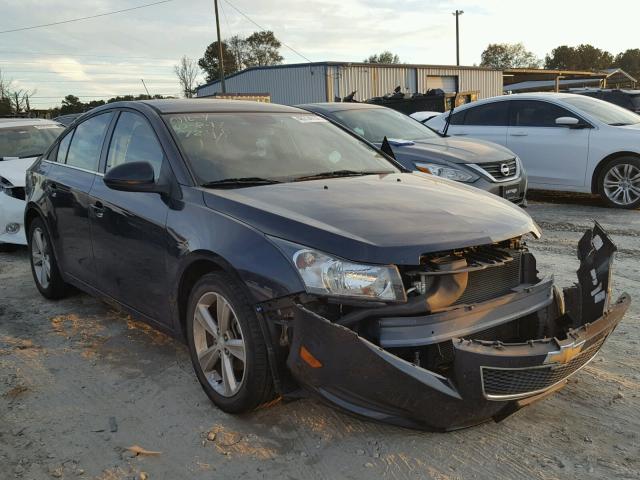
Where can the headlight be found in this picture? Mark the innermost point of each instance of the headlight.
(324, 274)
(5, 186)
(448, 172)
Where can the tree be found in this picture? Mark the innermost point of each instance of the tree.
(629, 61)
(262, 49)
(71, 104)
(508, 55)
(210, 65)
(5, 94)
(187, 73)
(384, 57)
(19, 100)
(582, 57)
(240, 50)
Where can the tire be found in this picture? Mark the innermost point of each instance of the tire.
(222, 297)
(619, 183)
(48, 280)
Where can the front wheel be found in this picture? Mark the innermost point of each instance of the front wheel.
(226, 345)
(619, 183)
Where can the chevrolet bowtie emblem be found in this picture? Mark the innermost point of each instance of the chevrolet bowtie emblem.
(565, 354)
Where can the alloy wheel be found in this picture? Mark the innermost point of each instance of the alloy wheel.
(622, 184)
(219, 344)
(41, 258)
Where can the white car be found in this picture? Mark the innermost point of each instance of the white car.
(423, 117)
(567, 142)
(22, 140)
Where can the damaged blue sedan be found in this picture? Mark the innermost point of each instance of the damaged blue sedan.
(292, 256)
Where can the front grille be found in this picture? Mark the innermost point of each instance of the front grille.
(522, 382)
(492, 282)
(495, 169)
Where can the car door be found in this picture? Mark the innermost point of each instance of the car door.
(552, 154)
(128, 228)
(487, 121)
(68, 184)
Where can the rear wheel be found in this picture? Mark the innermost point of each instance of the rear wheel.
(619, 183)
(226, 345)
(44, 267)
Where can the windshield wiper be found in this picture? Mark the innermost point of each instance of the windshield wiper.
(30, 155)
(340, 173)
(240, 181)
(619, 124)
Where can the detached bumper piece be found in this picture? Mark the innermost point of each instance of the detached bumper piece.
(483, 377)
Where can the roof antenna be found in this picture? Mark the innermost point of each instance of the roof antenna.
(453, 105)
(386, 148)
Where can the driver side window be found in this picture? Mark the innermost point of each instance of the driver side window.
(134, 140)
(532, 113)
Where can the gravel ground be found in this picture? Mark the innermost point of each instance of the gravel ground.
(79, 383)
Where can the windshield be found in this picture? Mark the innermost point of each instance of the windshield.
(277, 146)
(28, 140)
(604, 111)
(376, 123)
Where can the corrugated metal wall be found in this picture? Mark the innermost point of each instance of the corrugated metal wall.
(487, 82)
(289, 86)
(321, 83)
(370, 81)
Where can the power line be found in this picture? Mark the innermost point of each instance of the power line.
(13, 52)
(262, 28)
(104, 64)
(85, 18)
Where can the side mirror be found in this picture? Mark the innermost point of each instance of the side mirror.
(133, 177)
(567, 122)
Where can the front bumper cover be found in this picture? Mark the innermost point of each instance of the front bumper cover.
(489, 379)
(12, 211)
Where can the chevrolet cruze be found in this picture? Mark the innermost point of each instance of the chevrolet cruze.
(291, 255)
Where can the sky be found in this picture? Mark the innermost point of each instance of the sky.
(107, 56)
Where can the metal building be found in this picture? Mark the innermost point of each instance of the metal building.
(324, 81)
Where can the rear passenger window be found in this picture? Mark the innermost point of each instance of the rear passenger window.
(86, 145)
(531, 113)
(490, 114)
(63, 148)
(134, 141)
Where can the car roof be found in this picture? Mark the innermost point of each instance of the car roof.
(208, 105)
(329, 107)
(24, 122)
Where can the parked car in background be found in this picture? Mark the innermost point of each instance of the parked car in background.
(68, 119)
(289, 252)
(567, 142)
(21, 141)
(481, 164)
(629, 99)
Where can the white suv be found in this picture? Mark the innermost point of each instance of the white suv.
(566, 142)
(22, 140)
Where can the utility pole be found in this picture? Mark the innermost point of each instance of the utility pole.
(457, 13)
(220, 60)
(145, 87)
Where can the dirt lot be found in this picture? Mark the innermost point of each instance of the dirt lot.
(79, 383)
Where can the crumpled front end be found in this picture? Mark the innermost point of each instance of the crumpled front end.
(470, 345)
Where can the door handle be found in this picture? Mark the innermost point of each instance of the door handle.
(518, 134)
(98, 209)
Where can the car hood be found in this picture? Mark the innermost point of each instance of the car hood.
(391, 218)
(16, 170)
(452, 149)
